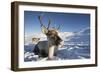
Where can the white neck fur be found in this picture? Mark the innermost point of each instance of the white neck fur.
(51, 52)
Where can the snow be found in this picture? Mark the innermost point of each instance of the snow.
(28, 38)
(68, 52)
(76, 46)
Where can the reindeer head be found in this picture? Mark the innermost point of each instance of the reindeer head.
(52, 34)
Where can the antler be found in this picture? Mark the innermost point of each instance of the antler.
(59, 27)
(49, 24)
(40, 19)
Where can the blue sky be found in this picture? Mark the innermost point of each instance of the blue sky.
(72, 22)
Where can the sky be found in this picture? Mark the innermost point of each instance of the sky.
(71, 22)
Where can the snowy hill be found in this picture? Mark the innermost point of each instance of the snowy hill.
(80, 37)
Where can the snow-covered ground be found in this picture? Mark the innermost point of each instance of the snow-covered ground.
(66, 52)
(76, 46)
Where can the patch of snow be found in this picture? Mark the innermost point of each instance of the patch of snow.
(70, 48)
(30, 55)
(81, 57)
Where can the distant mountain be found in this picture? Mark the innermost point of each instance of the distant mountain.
(85, 31)
(82, 36)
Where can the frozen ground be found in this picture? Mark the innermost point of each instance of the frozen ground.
(67, 52)
(76, 46)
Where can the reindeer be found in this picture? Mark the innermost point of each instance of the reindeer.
(48, 48)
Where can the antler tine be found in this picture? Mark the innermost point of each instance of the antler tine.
(59, 27)
(40, 19)
(49, 24)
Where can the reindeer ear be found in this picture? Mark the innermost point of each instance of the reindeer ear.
(44, 30)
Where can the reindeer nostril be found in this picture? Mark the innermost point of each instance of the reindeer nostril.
(61, 40)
